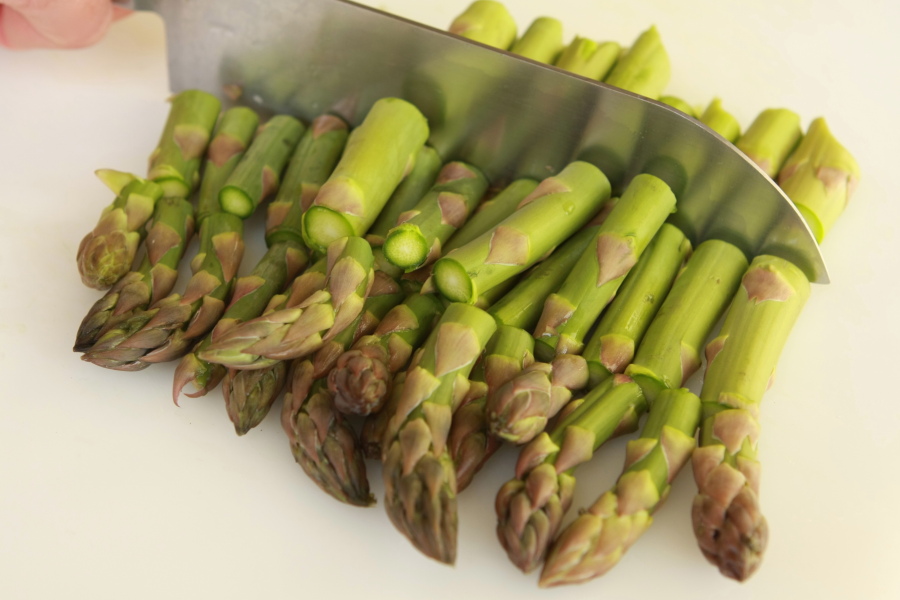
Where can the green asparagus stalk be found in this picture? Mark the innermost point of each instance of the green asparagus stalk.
(679, 104)
(819, 177)
(569, 313)
(322, 442)
(487, 22)
(258, 174)
(298, 331)
(588, 58)
(491, 212)
(542, 41)
(598, 538)
(168, 233)
(420, 232)
(771, 138)
(530, 507)
(106, 254)
(419, 476)
(728, 524)
(721, 121)
(670, 350)
(644, 68)
(612, 345)
(524, 237)
(313, 161)
(361, 379)
(175, 163)
(228, 146)
(470, 441)
(415, 185)
(378, 155)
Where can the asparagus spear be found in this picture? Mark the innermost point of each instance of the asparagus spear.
(612, 344)
(258, 174)
(678, 103)
(644, 68)
(728, 524)
(376, 424)
(721, 121)
(175, 163)
(771, 137)
(313, 161)
(106, 254)
(420, 232)
(487, 22)
(490, 212)
(407, 195)
(616, 247)
(419, 476)
(588, 58)
(168, 329)
(168, 233)
(298, 331)
(525, 236)
(378, 155)
(250, 394)
(530, 507)
(542, 41)
(322, 442)
(670, 350)
(361, 379)
(470, 441)
(820, 176)
(598, 538)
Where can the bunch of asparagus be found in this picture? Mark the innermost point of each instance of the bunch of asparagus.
(421, 315)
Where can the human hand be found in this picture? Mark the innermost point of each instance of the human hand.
(56, 23)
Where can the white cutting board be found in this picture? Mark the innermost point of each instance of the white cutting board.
(107, 490)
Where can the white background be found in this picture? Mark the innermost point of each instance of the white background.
(107, 490)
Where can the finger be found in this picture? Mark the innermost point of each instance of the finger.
(54, 23)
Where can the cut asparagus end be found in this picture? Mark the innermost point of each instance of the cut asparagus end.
(542, 41)
(644, 68)
(771, 137)
(589, 59)
(322, 226)
(406, 247)
(679, 104)
(236, 202)
(488, 22)
(721, 121)
(453, 282)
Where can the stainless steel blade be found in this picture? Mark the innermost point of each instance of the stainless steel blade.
(508, 115)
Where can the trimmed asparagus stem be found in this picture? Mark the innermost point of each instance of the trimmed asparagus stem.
(525, 236)
(530, 507)
(175, 163)
(679, 104)
(233, 134)
(379, 153)
(419, 476)
(819, 177)
(612, 345)
(168, 233)
(721, 121)
(258, 174)
(771, 138)
(420, 232)
(588, 58)
(322, 442)
(297, 331)
(362, 376)
(488, 22)
(107, 253)
(728, 524)
(644, 68)
(311, 164)
(569, 313)
(168, 329)
(491, 212)
(542, 41)
(599, 537)
(413, 187)
(670, 351)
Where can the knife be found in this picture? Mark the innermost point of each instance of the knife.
(509, 115)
